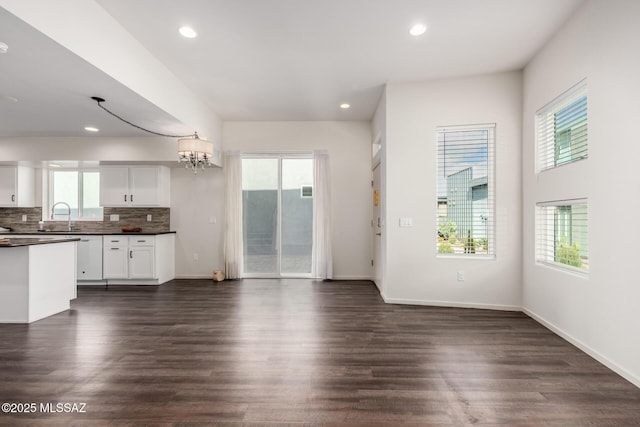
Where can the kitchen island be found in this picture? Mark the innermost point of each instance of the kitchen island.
(37, 278)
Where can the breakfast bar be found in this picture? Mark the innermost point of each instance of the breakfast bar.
(37, 277)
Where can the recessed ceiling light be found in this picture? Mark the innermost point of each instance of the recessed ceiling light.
(345, 106)
(54, 165)
(188, 32)
(418, 29)
(91, 129)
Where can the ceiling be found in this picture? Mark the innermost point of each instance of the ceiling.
(268, 59)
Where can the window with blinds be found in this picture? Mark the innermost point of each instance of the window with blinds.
(561, 129)
(562, 234)
(465, 190)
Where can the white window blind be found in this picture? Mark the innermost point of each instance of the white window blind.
(561, 129)
(465, 190)
(562, 234)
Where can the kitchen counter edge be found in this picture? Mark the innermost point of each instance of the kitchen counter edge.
(14, 243)
(86, 233)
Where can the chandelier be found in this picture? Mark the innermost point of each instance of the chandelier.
(192, 151)
(195, 152)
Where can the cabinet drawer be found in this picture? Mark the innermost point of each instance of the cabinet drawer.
(115, 241)
(141, 241)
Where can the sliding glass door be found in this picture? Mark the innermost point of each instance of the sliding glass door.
(277, 203)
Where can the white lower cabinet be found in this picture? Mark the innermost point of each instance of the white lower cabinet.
(139, 260)
(115, 255)
(142, 258)
(129, 257)
(89, 258)
(121, 259)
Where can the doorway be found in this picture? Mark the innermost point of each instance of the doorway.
(377, 227)
(277, 214)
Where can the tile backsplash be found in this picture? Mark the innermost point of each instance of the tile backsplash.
(160, 220)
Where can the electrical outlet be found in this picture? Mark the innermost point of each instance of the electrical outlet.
(24, 218)
(149, 218)
(212, 220)
(460, 276)
(114, 217)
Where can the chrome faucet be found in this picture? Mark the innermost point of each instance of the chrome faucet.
(68, 212)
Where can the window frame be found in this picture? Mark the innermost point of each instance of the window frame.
(548, 155)
(489, 219)
(546, 232)
(50, 194)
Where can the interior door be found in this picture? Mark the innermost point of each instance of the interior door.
(377, 229)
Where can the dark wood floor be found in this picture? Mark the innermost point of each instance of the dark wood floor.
(269, 352)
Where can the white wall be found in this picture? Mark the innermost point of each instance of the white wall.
(197, 214)
(600, 313)
(413, 272)
(90, 149)
(349, 146)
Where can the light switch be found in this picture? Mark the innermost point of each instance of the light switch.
(406, 222)
(212, 220)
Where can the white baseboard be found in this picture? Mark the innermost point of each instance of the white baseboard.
(132, 282)
(92, 282)
(453, 304)
(194, 276)
(351, 278)
(208, 276)
(584, 347)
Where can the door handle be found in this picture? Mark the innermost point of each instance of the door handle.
(131, 198)
(125, 197)
(13, 197)
(378, 234)
(130, 254)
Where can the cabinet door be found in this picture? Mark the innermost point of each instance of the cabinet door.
(115, 262)
(90, 258)
(8, 186)
(141, 262)
(114, 187)
(144, 184)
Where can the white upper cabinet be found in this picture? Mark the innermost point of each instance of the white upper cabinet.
(134, 186)
(114, 186)
(17, 187)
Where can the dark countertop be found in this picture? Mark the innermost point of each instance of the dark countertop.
(15, 242)
(86, 233)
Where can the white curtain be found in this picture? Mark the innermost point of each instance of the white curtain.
(233, 250)
(321, 257)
